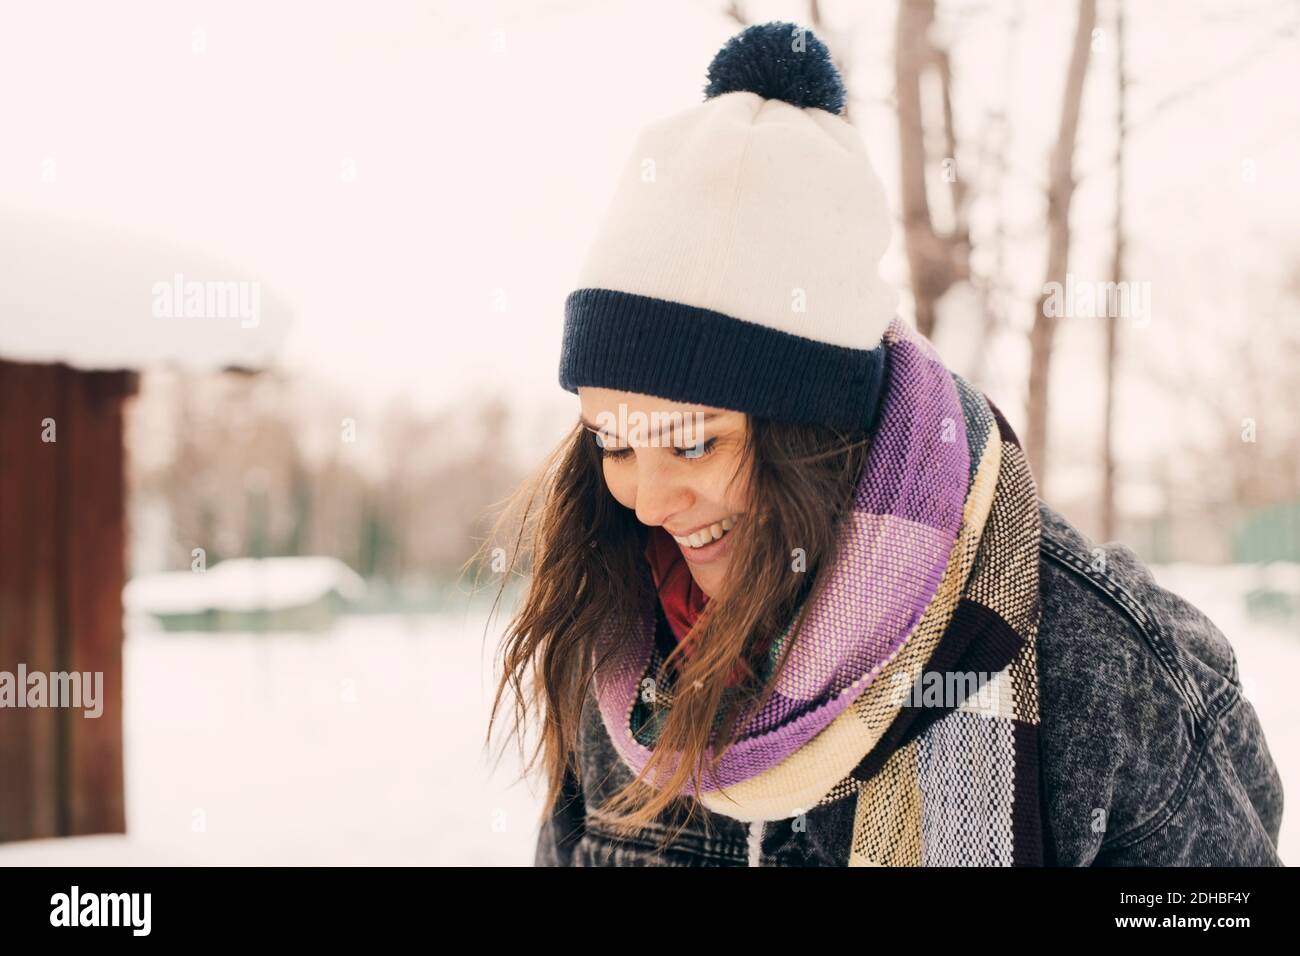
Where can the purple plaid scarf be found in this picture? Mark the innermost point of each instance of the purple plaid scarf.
(917, 587)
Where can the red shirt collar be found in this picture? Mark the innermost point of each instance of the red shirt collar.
(679, 595)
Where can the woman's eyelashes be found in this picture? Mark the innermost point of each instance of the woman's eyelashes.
(687, 453)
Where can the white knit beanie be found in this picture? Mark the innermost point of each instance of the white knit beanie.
(738, 263)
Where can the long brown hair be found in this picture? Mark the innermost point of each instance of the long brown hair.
(585, 554)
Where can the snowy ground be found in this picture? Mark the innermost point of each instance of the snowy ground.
(360, 746)
(365, 745)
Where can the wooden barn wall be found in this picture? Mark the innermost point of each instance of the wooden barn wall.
(62, 567)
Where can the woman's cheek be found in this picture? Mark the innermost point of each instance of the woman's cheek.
(620, 485)
(727, 489)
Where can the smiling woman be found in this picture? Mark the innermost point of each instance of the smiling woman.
(688, 483)
(725, 604)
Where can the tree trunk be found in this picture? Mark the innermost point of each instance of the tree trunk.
(935, 260)
(1059, 193)
(1108, 516)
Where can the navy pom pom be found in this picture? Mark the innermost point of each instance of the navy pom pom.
(778, 61)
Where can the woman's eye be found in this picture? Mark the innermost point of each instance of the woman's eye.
(691, 453)
(607, 447)
(696, 451)
(615, 453)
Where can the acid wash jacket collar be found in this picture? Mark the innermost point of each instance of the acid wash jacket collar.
(1149, 753)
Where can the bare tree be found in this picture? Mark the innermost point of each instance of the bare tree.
(1116, 274)
(1060, 191)
(992, 286)
(1126, 128)
(936, 259)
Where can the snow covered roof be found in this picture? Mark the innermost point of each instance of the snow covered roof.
(243, 584)
(98, 297)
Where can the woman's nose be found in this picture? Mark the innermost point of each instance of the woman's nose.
(660, 492)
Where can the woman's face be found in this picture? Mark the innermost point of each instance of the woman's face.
(672, 464)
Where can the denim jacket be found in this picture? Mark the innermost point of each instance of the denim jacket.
(1149, 754)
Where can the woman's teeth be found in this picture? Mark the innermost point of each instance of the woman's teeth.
(707, 535)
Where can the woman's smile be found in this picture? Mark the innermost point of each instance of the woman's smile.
(704, 534)
(708, 544)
